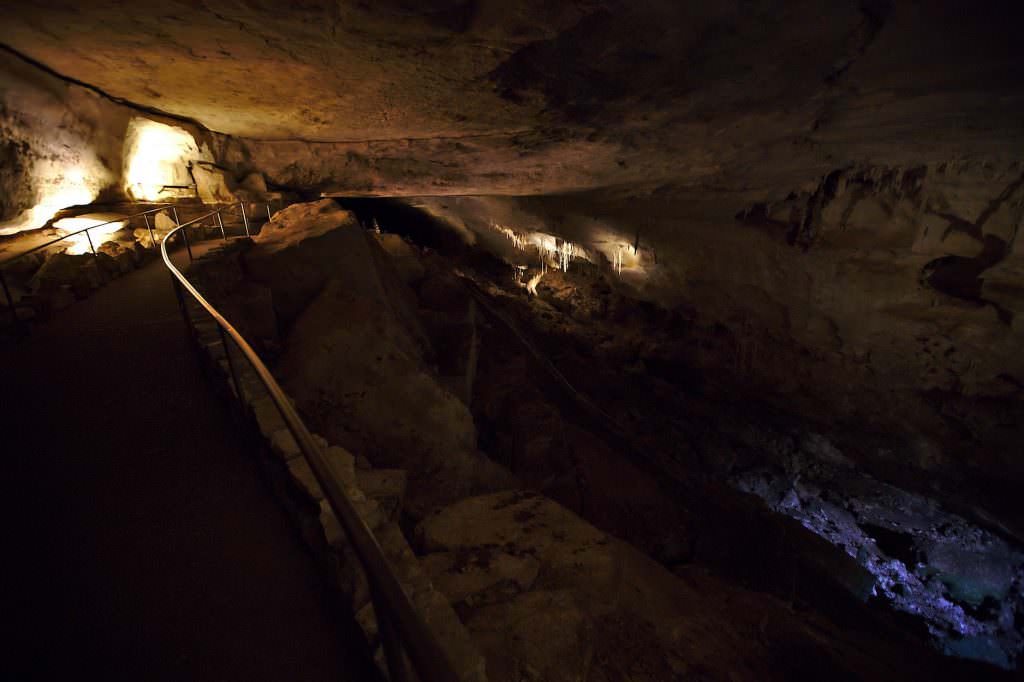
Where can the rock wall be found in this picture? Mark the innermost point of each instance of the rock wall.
(547, 596)
(526, 97)
(60, 145)
(354, 353)
(884, 297)
(63, 144)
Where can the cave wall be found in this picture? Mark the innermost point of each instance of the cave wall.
(60, 144)
(64, 144)
(835, 304)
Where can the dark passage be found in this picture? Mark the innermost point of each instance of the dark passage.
(145, 543)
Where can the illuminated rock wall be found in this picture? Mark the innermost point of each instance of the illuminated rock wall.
(63, 145)
(60, 145)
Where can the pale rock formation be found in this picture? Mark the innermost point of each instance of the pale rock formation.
(53, 152)
(296, 253)
(356, 358)
(212, 185)
(547, 596)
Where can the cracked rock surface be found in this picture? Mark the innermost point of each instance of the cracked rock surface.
(963, 581)
(455, 96)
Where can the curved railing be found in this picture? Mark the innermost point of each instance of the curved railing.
(403, 631)
(219, 222)
(124, 219)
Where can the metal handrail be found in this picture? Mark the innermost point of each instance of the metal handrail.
(125, 219)
(15, 257)
(403, 631)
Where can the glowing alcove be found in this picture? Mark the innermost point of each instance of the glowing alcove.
(157, 158)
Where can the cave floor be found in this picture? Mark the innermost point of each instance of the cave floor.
(145, 543)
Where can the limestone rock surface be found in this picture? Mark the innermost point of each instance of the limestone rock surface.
(547, 596)
(357, 361)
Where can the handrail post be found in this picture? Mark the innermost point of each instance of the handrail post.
(220, 222)
(94, 254)
(394, 654)
(231, 364)
(184, 232)
(150, 228)
(10, 299)
(188, 247)
(181, 302)
(245, 220)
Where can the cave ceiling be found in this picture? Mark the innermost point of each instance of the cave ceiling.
(527, 97)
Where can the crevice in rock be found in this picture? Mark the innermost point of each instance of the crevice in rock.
(961, 276)
(875, 13)
(804, 233)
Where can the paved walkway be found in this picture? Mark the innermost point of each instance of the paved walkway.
(144, 543)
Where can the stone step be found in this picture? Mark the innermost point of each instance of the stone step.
(386, 487)
(432, 606)
(268, 419)
(214, 348)
(342, 464)
(252, 386)
(368, 510)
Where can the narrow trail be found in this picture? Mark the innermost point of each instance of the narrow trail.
(144, 543)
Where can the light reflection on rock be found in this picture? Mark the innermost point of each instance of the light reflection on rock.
(964, 582)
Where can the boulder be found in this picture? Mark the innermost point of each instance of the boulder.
(254, 184)
(64, 269)
(546, 596)
(247, 304)
(357, 360)
(161, 223)
(358, 374)
(122, 261)
(386, 487)
(481, 576)
(212, 184)
(403, 256)
(299, 251)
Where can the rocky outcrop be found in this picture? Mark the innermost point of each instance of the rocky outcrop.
(65, 144)
(543, 593)
(357, 360)
(662, 432)
(878, 295)
(60, 145)
(547, 596)
(296, 253)
(369, 491)
(964, 582)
